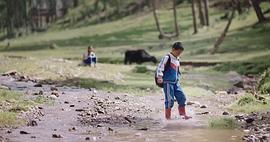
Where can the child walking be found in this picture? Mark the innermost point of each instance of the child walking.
(168, 75)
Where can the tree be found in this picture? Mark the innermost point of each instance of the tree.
(224, 33)
(194, 17)
(206, 13)
(201, 14)
(258, 10)
(161, 33)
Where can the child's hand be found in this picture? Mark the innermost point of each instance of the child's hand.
(160, 80)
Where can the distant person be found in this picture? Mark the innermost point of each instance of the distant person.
(90, 58)
(167, 77)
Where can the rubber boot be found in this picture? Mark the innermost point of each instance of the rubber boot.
(168, 113)
(182, 112)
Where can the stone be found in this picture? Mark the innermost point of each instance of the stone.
(190, 103)
(52, 97)
(110, 129)
(56, 136)
(24, 132)
(55, 93)
(32, 123)
(38, 85)
(249, 120)
(203, 106)
(54, 88)
(239, 84)
(4, 87)
(117, 98)
(143, 129)
(71, 105)
(225, 113)
(87, 139)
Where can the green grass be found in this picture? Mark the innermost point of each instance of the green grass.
(12, 104)
(8, 119)
(223, 123)
(252, 66)
(264, 84)
(249, 103)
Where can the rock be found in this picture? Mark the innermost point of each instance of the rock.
(32, 123)
(117, 98)
(225, 113)
(54, 88)
(66, 102)
(203, 106)
(4, 87)
(72, 129)
(40, 107)
(72, 106)
(56, 136)
(55, 93)
(9, 131)
(221, 93)
(110, 129)
(33, 137)
(190, 103)
(143, 129)
(127, 119)
(79, 110)
(11, 73)
(239, 84)
(87, 139)
(202, 113)
(249, 120)
(38, 85)
(40, 92)
(53, 97)
(24, 132)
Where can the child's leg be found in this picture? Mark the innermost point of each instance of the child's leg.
(94, 60)
(181, 99)
(169, 99)
(179, 95)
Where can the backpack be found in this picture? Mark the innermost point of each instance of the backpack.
(165, 68)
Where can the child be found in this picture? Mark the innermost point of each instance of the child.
(90, 58)
(168, 74)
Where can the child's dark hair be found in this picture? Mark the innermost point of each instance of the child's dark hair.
(178, 45)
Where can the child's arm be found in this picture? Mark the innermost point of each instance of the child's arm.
(162, 65)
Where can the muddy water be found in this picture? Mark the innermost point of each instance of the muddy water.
(176, 132)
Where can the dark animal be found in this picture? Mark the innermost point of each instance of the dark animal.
(138, 56)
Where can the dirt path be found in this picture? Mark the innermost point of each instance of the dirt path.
(82, 114)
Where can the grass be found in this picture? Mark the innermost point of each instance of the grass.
(11, 104)
(264, 84)
(252, 66)
(223, 123)
(248, 104)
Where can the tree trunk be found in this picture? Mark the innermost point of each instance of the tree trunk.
(258, 10)
(161, 33)
(156, 17)
(238, 7)
(75, 3)
(224, 33)
(201, 15)
(194, 17)
(206, 7)
(175, 19)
